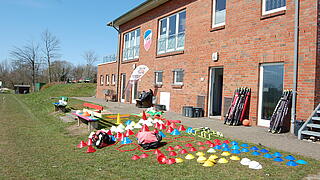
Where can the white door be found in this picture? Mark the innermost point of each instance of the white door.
(165, 99)
(270, 91)
(134, 92)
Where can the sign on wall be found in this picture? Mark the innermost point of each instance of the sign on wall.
(139, 72)
(147, 39)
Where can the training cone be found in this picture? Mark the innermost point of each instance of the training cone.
(145, 128)
(223, 161)
(175, 132)
(244, 145)
(269, 156)
(109, 132)
(255, 165)
(173, 125)
(170, 148)
(129, 133)
(211, 150)
(192, 149)
(91, 149)
(82, 144)
(86, 114)
(132, 124)
(189, 130)
(224, 145)
(200, 143)
(244, 150)
(178, 147)
(169, 130)
(236, 151)
(188, 145)
(119, 135)
(172, 153)
(181, 128)
(235, 147)
(156, 125)
(278, 159)
(277, 154)
(290, 158)
(128, 122)
(189, 156)
(144, 116)
(126, 140)
(217, 141)
(227, 142)
(200, 154)
(161, 159)
(213, 157)
(156, 131)
(129, 127)
(135, 157)
(113, 138)
(300, 161)
(201, 159)
(255, 153)
(118, 119)
(217, 147)
(162, 134)
(137, 126)
(253, 148)
(183, 151)
(208, 163)
(167, 123)
(264, 151)
(202, 148)
(225, 153)
(234, 143)
(245, 161)
(225, 149)
(211, 145)
(208, 142)
(235, 158)
(162, 127)
(179, 160)
(89, 142)
(144, 155)
(171, 161)
(157, 151)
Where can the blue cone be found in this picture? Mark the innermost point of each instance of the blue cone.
(189, 130)
(277, 154)
(269, 156)
(255, 153)
(234, 143)
(264, 151)
(235, 147)
(162, 134)
(113, 138)
(244, 145)
(175, 132)
(300, 161)
(244, 150)
(226, 149)
(217, 147)
(278, 159)
(290, 158)
(126, 140)
(254, 148)
(128, 122)
(224, 145)
(236, 151)
(291, 163)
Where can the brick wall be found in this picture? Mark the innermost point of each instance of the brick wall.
(246, 41)
(106, 69)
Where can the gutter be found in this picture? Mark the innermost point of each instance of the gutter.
(295, 64)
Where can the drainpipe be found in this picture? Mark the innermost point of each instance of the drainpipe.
(295, 64)
(111, 24)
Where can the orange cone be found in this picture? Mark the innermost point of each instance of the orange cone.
(144, 116)
(86, 114)
(82, 144)
(91, 149)
(89, 143)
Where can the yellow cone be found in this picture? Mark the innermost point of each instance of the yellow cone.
(189, 156)
(179, 160)
(208, 164)
(213, 157)
(235, 158)
(201, 159)
(200, 154)
(225, 154)
(223, 161)
(118, 119)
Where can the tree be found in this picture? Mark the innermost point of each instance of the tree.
(90, 57)
(51, 46)
(27, 56)
(61, 70)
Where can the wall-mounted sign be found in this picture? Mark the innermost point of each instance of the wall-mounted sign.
(147, 39)
(215, 56)
(139, 72)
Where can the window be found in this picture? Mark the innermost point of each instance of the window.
(178, 77)
(101, 80)
(271, 6)
(107, 80)
(131, 46)
(158, 77)
(219, 13)
(172, 33)
(113, 79)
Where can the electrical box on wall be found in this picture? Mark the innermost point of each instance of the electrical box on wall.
(215, 56)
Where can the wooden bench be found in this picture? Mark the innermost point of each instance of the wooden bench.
(95, 112)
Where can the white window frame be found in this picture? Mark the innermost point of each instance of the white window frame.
(167, 33)
(156, 74)
(107, 80)
(101, 80)
(214, 2)
(175, 73)
(136, 44)
(113, 79)
(264, 12)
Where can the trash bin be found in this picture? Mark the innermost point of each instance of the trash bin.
(186, 110)
(297, 125)
(198, 112)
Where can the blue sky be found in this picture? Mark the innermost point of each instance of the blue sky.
(79, 24)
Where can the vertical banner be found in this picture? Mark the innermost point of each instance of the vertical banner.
(136, 75)
(147, 39)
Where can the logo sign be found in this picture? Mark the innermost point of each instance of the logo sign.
(139, 72)
(147, 39)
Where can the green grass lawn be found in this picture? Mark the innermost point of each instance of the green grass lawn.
(34, 144)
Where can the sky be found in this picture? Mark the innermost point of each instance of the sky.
(80, 25)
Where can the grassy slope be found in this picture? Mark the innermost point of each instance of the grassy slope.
(34, 144)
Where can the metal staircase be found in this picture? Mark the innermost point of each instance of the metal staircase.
(311, 128)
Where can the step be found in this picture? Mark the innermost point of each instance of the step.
(311, 133)
(315, 118)
(313, 125)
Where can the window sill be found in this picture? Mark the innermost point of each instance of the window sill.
(130, 61)
(266, 16)
(177, 86)
(158, 85)
(170, 54)
(217, 28)
(107, 84)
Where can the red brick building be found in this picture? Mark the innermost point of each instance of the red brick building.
(202, 50)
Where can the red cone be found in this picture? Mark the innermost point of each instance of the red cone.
(170, 148)
(183, 151)
(144, 116)
(144, 155)
(212, 145)
(156, 125)
(129, 133)
(109, 132)
(167, 123)
(208, 142)
(82, 144)
(91, 149)
(172, 153)
(226, 141)
(144, 128)
(155, 131)
(135, 157)
(178, 147)
(202, 148)
(217, 141)
(200, 143)
(119, 135)
(182, 128)
(188, 145)
(173, 125)
(89, 142)
(161, 159)
(171, 161)
(162, 127)
(192, 149)
(169, 130)
(157, 151)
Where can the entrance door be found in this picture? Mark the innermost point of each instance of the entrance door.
(215, 91)
(123, 87)
(134, 92)
(270, 91)
(165, 99)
